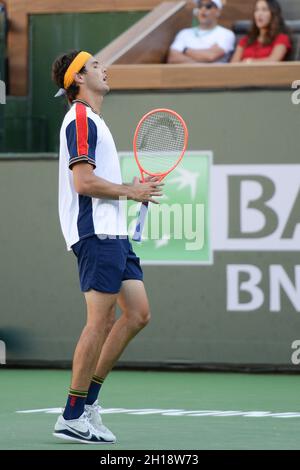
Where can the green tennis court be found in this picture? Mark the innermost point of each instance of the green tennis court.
(159, 410)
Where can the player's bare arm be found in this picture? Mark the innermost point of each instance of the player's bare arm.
(87, 183)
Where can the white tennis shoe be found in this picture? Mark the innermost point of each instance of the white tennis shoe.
(93, 414)
(79, 430)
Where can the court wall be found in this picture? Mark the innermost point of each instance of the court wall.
(241, 309)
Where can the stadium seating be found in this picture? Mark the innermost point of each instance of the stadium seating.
(241, 28)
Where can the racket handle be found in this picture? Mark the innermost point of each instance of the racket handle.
(137, 236)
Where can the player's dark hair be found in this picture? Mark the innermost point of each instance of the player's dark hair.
(59, 68)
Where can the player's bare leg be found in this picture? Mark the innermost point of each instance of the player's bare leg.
(100, 318)
(135, 316)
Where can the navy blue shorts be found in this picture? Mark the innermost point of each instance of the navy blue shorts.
(104, 263)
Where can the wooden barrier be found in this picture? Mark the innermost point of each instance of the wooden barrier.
(195, 76)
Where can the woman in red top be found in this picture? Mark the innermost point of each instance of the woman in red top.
(268, 39)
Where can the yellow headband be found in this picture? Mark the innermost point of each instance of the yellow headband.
(75, 66)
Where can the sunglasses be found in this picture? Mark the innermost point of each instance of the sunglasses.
(208, 6)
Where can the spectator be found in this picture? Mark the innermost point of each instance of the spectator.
(2, 5)
(3, 9)
(207, 42)
(268, 39)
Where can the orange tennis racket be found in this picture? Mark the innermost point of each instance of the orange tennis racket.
(159, 143)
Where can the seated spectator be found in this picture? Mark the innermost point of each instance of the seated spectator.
(3, 9)
(268, 39)
(208, 42)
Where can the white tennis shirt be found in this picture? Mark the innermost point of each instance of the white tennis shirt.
(84, 136)
(197, 38)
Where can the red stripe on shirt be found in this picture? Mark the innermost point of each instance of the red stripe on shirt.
(82, 130)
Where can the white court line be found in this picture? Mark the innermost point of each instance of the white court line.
(166, 412)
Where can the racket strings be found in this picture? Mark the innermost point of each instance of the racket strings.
(160, 142)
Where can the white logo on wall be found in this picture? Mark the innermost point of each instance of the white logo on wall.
(2, 92)
(256, 208)
(2, 352)
(279, 282)
(296, 354)
(261, 202)
(296, 95)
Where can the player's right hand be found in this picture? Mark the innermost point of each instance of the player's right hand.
(144, 192)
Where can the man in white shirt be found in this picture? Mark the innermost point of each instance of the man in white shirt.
(206, 43)
(93, 222)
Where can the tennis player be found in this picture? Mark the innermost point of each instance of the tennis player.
(93, 222)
